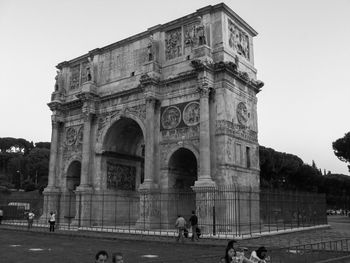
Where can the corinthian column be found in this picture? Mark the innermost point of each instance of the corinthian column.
(86, 152)
(53, 153)
(204, 177)
(51, 192)
(149, 144)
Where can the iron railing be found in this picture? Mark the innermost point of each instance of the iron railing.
(224, 212)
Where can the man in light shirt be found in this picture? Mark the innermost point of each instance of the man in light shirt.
(180, 224)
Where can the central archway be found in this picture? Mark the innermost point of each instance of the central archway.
(123, 172)
(124, 155)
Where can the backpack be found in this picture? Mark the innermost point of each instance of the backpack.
(186, 233)
(198, 232)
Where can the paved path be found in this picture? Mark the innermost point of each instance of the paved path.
(164, 247)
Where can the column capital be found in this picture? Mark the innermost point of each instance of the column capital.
(56, 120)
(152, 101)
(88, 115)
(204, 91)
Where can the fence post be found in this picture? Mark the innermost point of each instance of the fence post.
(79, 218)
(214, 223)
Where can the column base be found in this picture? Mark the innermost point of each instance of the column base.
(148, 185)
(204, 182)
(84, 189)
(83, 206)
(52, 196)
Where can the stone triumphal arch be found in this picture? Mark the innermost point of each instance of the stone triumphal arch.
(174, 107)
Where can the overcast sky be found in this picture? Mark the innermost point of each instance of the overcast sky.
(302, 54)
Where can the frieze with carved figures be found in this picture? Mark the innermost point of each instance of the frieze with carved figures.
(224, 127)
(181, 133)
(238, 40)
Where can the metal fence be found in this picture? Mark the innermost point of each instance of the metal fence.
(224, 212)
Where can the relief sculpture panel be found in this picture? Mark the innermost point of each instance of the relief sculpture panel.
(238, 40)
(173, 44)
(74, 78)
(122, 177)
(171, 117)
(191, 114)
(73, 138)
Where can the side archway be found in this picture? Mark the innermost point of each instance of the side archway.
(181, 176)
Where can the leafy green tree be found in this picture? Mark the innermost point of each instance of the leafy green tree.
(341, 148)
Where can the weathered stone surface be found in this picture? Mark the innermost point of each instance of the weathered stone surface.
(171, 108)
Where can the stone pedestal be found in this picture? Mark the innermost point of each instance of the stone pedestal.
(150, 213)
(88, 87)
(83, 206)
(205, 205)
(51, 203)
(57, 96)
(152, 69)
(203, 53)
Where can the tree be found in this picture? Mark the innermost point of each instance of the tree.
(45, 145)
(277, 168)
(341, 148)
(38, 164)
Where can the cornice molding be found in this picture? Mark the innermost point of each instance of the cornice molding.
(123, 93)
(187, 75)
(231, 68)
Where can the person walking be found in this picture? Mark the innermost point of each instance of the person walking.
(1, 215)
(180, 224)
(30, 218)
(52, 221)
(194, 225)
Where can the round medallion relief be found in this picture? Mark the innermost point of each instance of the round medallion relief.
(80, 134)
(171, 117)
(191, 114)
(242, 113)
(71, 136)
